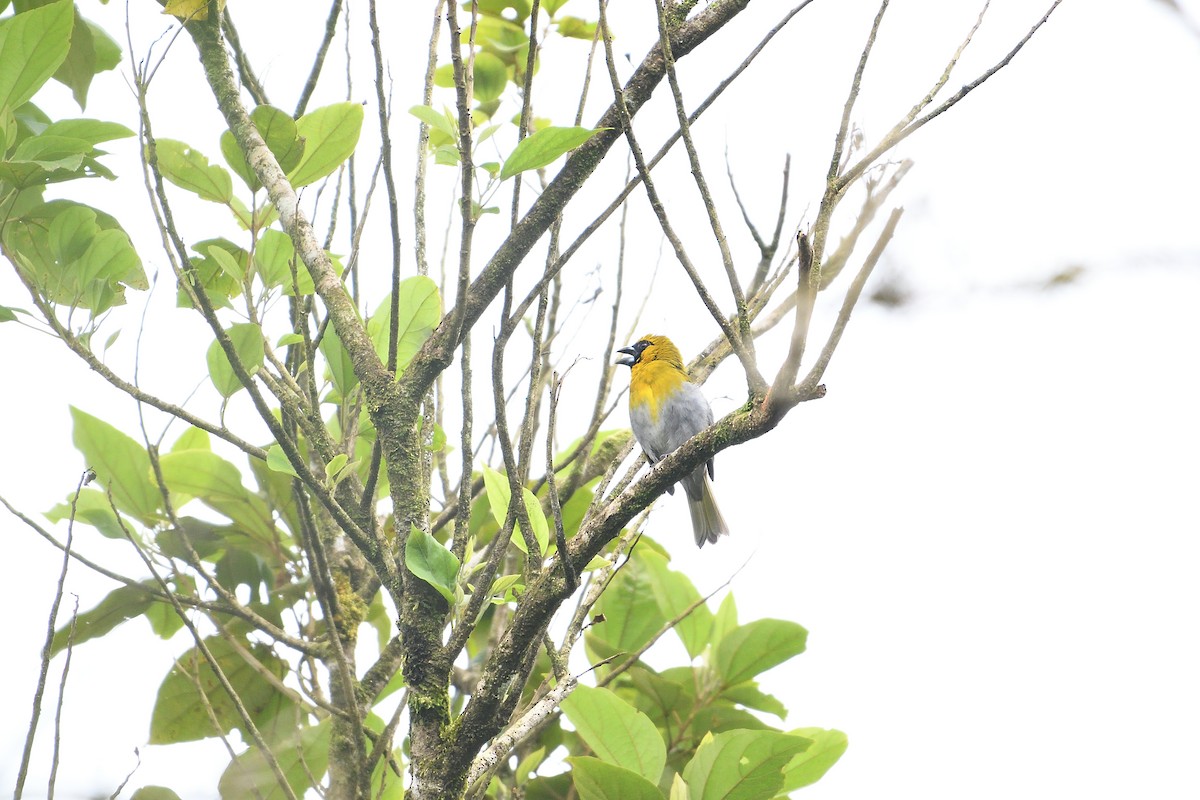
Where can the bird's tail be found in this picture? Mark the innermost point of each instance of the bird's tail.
(707, 522)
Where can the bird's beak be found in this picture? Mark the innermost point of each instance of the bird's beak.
(631, 352)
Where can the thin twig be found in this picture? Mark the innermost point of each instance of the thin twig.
(84, 479)
(310, 85)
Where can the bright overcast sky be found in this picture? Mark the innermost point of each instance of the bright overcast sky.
(989, 526)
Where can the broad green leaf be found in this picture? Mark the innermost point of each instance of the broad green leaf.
(8, 314)
(289, 339)
(499, 8)
(631, 616)
(192, 439)
(206, 271)
(49, 244)
(33, 45)
(491, 76)
(679, 789)
(275, 257)
(335, 464)
(121, 465)
(551, 7)
(229, 265)
(189, 169)
(247, 341)
(808, 767)
(341, 368)
(277, 461)
(756, 647)
(576, 28)
(121, 605)
(741, 765)
(278, 131)
(500, 36)
(749, 695)
(537, 520)
(431, 562)
(675, 593)
(543, 147)
(435, 119)
(725, 620)
(616, 732)
(205, 475)
(528, 764)
(499, 494)
(93, 131)
(92, 51)
(180, 713)
(302, 755)
(420, 311)
(154, 793)
(330, 135)
(91, 508)
(598, 780)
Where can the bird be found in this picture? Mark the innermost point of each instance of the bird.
(665, 410)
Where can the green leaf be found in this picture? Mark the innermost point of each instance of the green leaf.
(330, 135)
(756, 647)
(435, 119)
(749, 695)
(499, 495)
(154, 793)
(498, 8)
(121, 465)
(274, 256)
(537, 520)
(248, 344)
(92, 51)
(277, 461)
(207, 272)
(341, 368)
(192, 439)
(8, 314)
(217, 482)
(335, 464)
(92, 131)
(420, 311)
(741, 765)
(631, 617)
(91, 508)
(576, 28)
(491, 76)
(302, 755)
(278, 130)
(598, 780)
(33, 45)
(675, 593)
(229, 265)
(543, 147)
(289, 339)
(808, 767)
(551, 7)
(191, 692)
(121, 605)
(616, 732)
(431, 562)
(189, 169)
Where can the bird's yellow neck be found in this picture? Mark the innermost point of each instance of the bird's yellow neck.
(652, 383)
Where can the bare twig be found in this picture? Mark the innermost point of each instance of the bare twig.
(335, 10)
(22, 772)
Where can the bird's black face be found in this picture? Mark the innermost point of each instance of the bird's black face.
(634, 351)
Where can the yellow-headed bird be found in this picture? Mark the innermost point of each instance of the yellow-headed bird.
(665, 410)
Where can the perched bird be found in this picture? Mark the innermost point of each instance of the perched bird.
(665, 410)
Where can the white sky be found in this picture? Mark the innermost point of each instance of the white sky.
(989, 526)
